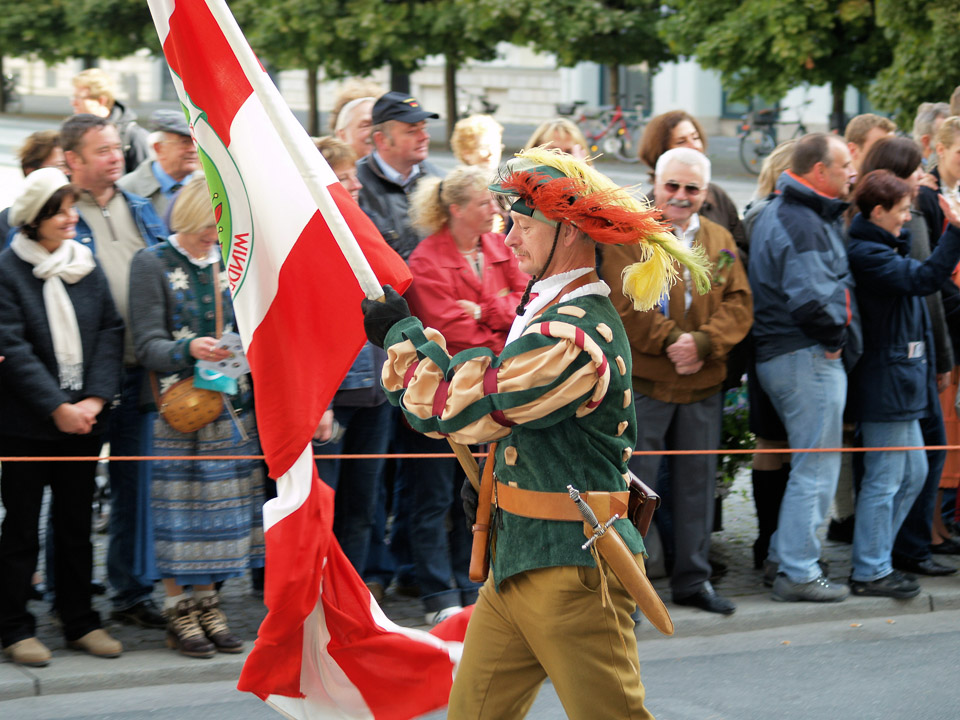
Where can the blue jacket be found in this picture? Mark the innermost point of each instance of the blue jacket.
(896, 377)
(361, 387)
(802, 286)
(151, 227)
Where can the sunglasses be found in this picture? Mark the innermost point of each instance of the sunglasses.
(692, 190)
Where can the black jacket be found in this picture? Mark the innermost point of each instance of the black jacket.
(29, 383)
(388, 204)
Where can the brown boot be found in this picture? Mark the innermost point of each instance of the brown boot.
(98, 643)
(214, 624)
(184, 632)
(30, 652)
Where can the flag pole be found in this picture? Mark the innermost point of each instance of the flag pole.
(297, 143)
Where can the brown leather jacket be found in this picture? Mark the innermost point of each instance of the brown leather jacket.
(717, 320)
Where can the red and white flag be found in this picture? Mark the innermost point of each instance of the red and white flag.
(325, 648)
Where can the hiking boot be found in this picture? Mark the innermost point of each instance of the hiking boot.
(98, 643)
(214, 624)
(817, 590)
(184, 632)
(895, 585)
(30, 652)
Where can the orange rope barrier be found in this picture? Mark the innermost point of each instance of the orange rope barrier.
(426, 456)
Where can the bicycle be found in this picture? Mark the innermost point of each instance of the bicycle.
(471, 103)
(758, 135)
(611, 128)
(10, 95)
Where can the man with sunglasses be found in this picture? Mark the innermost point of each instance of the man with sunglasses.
(679, 364)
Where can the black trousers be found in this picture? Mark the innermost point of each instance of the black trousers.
(21, 489)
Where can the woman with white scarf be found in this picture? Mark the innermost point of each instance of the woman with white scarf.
(63, 342)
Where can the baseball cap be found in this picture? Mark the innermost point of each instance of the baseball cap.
(399, 106)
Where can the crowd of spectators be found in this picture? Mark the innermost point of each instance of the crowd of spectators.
(834, 292)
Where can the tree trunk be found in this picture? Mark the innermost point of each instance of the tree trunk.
(613, 80)
(313, 101)
(450, 90)
(838, 120)
(3, 87)
(399, 79)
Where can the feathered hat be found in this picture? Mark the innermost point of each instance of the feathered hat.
(554, 187)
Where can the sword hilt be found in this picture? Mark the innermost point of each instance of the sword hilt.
(590, 517)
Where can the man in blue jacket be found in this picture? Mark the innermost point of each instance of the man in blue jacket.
(806, 331)
(116, 225)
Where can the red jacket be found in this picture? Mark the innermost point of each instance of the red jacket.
(441, 276)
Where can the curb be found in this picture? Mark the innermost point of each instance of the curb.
(72, 672)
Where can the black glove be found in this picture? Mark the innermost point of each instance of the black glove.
(379, 317)
(470, 500)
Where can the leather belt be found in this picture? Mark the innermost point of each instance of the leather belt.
(556, 505)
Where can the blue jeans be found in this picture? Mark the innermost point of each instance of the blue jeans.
(438, 530)
(913, 540)
(892, 480)
(809, 392)
(127, 504)
(356, 482)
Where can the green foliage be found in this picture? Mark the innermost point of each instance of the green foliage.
(611, 32)
(926, 56)
(767, 47)
(736, 435)
(110, 28)
(38, 27)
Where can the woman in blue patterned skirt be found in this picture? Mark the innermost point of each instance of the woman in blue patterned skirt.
(206, 514)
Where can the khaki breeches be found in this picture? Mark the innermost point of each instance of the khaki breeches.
(551, 623)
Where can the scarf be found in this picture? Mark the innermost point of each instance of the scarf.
(70, 263)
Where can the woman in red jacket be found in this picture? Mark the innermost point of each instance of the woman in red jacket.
(466, 283)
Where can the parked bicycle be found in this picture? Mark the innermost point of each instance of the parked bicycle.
(609, 128)
(471, 103)
(12, 100)
(758, 134)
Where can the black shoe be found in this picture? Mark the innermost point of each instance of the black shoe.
(97, 588)
(707, 599)
(895, 585)
(718, 569)
(922, 567)
(841, 530)
(947, 547)
(144, 614)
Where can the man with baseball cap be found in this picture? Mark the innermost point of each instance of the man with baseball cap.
(160, 177)
(390, 173)
(558, 400)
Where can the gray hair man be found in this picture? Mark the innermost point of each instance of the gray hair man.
(174, 159)
(679, 352)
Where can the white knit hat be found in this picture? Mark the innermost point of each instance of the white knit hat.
(39, 187)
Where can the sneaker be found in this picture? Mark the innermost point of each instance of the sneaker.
(98, 643)
(30, 652)
(818, 590)
(144, 613)
(214, 624)
(770, 570)
(184, 632)
(435, 618)
(895, 585)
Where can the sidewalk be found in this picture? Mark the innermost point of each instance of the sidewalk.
(147, 661)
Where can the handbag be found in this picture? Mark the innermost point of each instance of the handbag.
(183, 406)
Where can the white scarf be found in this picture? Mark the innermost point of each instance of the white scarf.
(71, 262)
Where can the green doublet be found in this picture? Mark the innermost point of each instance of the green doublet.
(548, 453)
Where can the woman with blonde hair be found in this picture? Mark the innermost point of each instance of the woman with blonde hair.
(560, 134)
(207, 514)
(466, 284)
(478, 140)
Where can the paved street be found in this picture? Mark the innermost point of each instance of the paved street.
(896, 667)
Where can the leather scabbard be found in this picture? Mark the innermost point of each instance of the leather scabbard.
(617, 555)
(480, 551)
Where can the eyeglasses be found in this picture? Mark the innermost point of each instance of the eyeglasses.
(692, 190)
